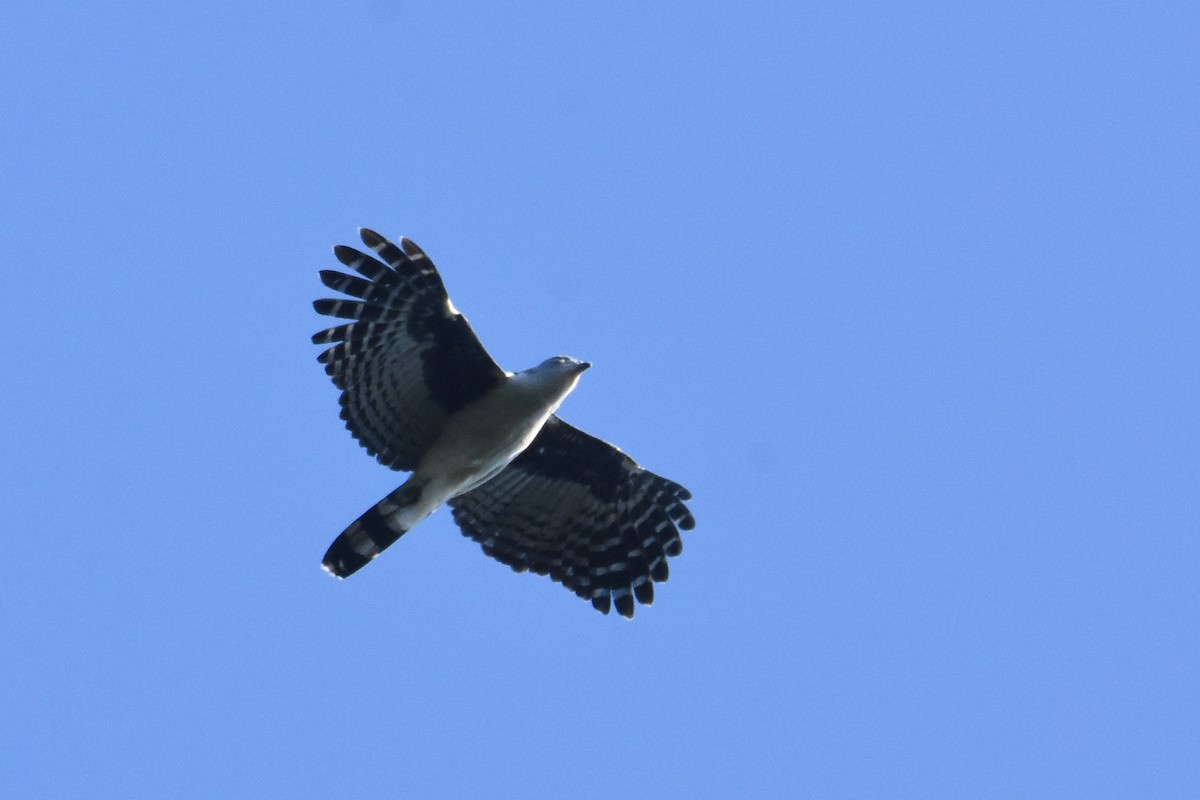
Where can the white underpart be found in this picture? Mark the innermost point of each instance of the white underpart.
(480, 440)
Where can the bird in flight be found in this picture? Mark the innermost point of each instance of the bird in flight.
(422, 395)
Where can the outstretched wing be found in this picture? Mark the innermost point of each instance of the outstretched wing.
(579, 510)
(408, 359)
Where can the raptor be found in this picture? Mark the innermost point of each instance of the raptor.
(422, 395)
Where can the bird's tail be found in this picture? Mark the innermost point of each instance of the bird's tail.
(373, 532)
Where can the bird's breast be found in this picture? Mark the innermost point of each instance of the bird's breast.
(481, 439)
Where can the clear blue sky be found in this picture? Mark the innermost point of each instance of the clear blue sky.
(906, 294)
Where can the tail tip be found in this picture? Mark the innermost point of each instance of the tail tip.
(341, 562)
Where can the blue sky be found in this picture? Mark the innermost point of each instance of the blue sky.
(905, 294)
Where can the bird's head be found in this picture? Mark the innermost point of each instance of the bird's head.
(554, 378)
(562, 365)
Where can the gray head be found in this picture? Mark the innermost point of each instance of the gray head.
(554, 378)
(562, 365)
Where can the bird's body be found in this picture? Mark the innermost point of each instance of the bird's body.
(482, 438)
(422, 395)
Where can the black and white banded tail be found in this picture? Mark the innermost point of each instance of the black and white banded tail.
(370, 534)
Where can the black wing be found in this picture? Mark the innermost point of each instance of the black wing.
(579, 510)
(408, 359)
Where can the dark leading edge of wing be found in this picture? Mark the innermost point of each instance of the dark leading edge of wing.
(579, 510)
(407, 359)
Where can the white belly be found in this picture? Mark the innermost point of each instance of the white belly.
(481, 439)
